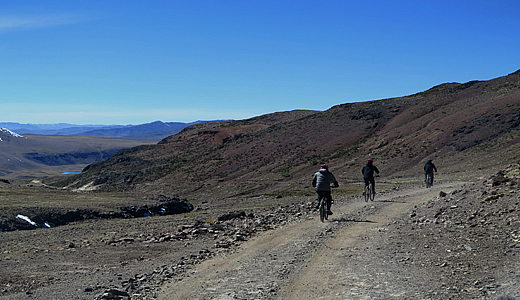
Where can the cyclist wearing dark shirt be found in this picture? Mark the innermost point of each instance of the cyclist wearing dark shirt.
(429, 167)
(368, 174)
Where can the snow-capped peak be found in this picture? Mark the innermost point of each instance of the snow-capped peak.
(8, 132)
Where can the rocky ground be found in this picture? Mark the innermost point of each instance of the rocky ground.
(453, 241)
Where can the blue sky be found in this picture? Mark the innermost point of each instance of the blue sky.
(133, 62)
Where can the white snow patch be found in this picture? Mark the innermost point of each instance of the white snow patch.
(26, 218)
(9, 132)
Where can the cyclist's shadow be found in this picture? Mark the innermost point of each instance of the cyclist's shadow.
(345, 219)
(387, 200)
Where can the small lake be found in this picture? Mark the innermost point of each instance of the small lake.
(70, 173)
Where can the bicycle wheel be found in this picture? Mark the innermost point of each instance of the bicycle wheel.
(372, 194)
(323, 210)
(429, 181)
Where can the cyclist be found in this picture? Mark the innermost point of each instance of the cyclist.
(321, 182)
(368, 175)
(429, 167)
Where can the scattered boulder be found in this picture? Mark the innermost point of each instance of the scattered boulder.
(115, 294)
(165, 206)
(498, 179)
(232, 215)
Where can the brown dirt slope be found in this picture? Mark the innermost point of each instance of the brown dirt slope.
(468, 129)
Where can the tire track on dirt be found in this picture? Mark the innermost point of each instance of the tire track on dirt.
(346, 268)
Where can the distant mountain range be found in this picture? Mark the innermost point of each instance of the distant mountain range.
(150, 131)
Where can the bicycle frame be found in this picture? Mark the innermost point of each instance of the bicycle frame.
(429, 180)
(323, 209)
(369, 192)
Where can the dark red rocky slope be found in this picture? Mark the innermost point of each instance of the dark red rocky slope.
(469, 130)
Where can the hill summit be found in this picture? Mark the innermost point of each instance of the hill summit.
(467, 129)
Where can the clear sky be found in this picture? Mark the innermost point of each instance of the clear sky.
(132, 62)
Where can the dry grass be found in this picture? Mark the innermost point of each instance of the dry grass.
(18, 197)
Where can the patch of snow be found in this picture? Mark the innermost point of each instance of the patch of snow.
(9, 132)
(26, 218)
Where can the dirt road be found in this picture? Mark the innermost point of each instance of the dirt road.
(342, 258)
(408, 244)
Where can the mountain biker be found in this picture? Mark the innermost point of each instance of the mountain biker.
(429, 167)
(321, 182)
(368, 174)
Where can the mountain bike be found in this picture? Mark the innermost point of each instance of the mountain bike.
(369, 192)
(429, 180)
(323, 209)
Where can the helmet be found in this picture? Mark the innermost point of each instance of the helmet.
(370, 161)
(324, 166)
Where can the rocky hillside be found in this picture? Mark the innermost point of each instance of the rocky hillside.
(468, 129)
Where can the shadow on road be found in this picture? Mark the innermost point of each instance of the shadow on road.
(389, 201)
(345, 219)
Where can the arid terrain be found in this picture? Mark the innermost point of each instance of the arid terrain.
(225, 210)
(453, 241)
